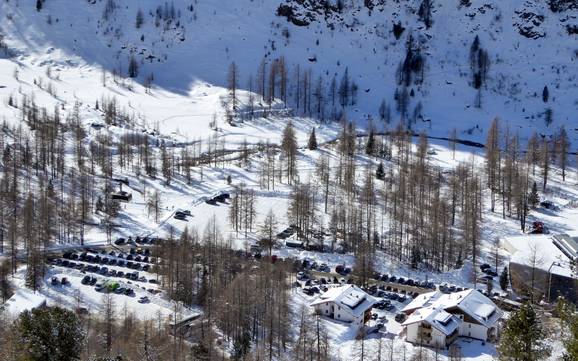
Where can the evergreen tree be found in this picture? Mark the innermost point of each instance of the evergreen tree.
(548, 117)
(523, 337)
(545, 94)
(370, 145)
(39, 4)
(504, 279)
(566, 311)
(379, 172)
(139, 19)
(132, 67)
(344, 88)
(312, 144)
(51, 333)
(533, 197)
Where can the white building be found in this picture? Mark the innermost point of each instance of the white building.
(546, 263)
(345, 303)
(437, 319)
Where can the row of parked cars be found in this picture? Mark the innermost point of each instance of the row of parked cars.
(287, 232)
(139, 262)
(403, 281)
(103, 271)
(137, 240)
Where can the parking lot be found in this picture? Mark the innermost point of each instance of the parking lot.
(81, 278)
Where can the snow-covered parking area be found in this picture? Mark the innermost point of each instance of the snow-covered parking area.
(106, 285)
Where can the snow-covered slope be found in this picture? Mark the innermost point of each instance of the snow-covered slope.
(188, 45)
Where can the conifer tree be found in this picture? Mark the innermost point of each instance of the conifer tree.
(523, 337)
(132, 67)
(380, 172)
(370, 145)
(312, 144)
(51, 333)
(139, 19)
(545, 94)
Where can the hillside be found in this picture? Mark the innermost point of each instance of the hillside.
(187, 47)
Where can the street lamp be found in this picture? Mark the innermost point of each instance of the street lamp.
(554, 263)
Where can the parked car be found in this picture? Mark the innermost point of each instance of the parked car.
(400, 317)
(143, 299)
(180, 216)
(85, 280)
(308, 291)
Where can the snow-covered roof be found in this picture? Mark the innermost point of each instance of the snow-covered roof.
(474, 304)
(544, 252)
(471, 302)
(352, 298)
(23, 300)
(438, 318)
(423, 300)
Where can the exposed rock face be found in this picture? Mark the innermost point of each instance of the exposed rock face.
(528, 24)
(562, 5)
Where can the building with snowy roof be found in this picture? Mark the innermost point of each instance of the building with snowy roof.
(437, 319)
(346, 303)
(543, 265)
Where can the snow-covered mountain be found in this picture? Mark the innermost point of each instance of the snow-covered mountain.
(186, 47)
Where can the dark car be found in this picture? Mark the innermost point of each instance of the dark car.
(180, 216)
(92, 281)
(54, 281)
(308, 291)
(400, 317)
(85, 280)
(120, 241)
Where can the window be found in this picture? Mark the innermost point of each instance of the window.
(326, 311)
